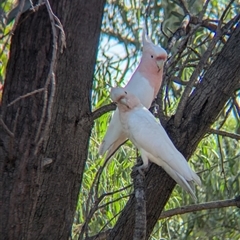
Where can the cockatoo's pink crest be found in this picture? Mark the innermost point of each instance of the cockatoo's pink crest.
(145, 84)
(152, 61)
(151, 140)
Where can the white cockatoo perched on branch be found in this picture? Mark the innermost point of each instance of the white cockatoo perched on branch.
(140, 126)
(145, 84)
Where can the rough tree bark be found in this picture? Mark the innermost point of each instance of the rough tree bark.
(38, 201)
(202, 108)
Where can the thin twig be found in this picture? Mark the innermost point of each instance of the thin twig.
(47, 108)
(229, 26)
(20, 10)
(59, 25)
(226, 10)
(228, 111)
(116, 191)
(97, 200)
(183, 4)
(180, 32)
(225, 134)
(181, 47)
(117, 35)
(148, 9)
(222, 162)
(204, 9)
(195, 75)
(25, 95)
(171, 63)
(100, 236)
(8, 34)
(102, 110)
(200, 207)
(221, 156)
(45, 100)
(109, 222)
(162, 30)
(32, 6)
(49, 111)
(216, 165)
(97, 207)
(165, 71)
(147, 14)
(4, 46)
(236, 104)
(11, 142)
(113, 201)
(6, 128)
(95, 184)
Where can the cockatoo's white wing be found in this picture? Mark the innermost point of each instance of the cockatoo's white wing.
(114, 136)
(185, 184)
(147, 134)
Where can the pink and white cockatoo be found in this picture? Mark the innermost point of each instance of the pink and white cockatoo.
(145, 84)
(141, 127)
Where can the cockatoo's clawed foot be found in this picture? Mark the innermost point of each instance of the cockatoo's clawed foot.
(139, 163)
(141, 172)
(142, 169)
(155, 108)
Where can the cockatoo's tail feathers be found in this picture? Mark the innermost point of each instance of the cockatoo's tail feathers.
(196, 179)
(113, 148)
(121, 140)
(152, 140)
(101, 149)
(113, 136)
(188, 186)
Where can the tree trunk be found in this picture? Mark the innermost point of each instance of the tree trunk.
(202, 108)
(41, 179)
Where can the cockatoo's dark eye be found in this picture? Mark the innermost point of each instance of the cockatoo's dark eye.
(151, 56)
(125, 92)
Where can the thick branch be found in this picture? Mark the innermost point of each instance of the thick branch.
(102, 110)
(140, 206)
(225, 134)
(200, 207)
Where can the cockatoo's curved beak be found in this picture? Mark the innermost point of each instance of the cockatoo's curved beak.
(123, 101)
(160, 63)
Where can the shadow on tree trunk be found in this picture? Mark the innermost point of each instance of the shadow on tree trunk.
(40, 183)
